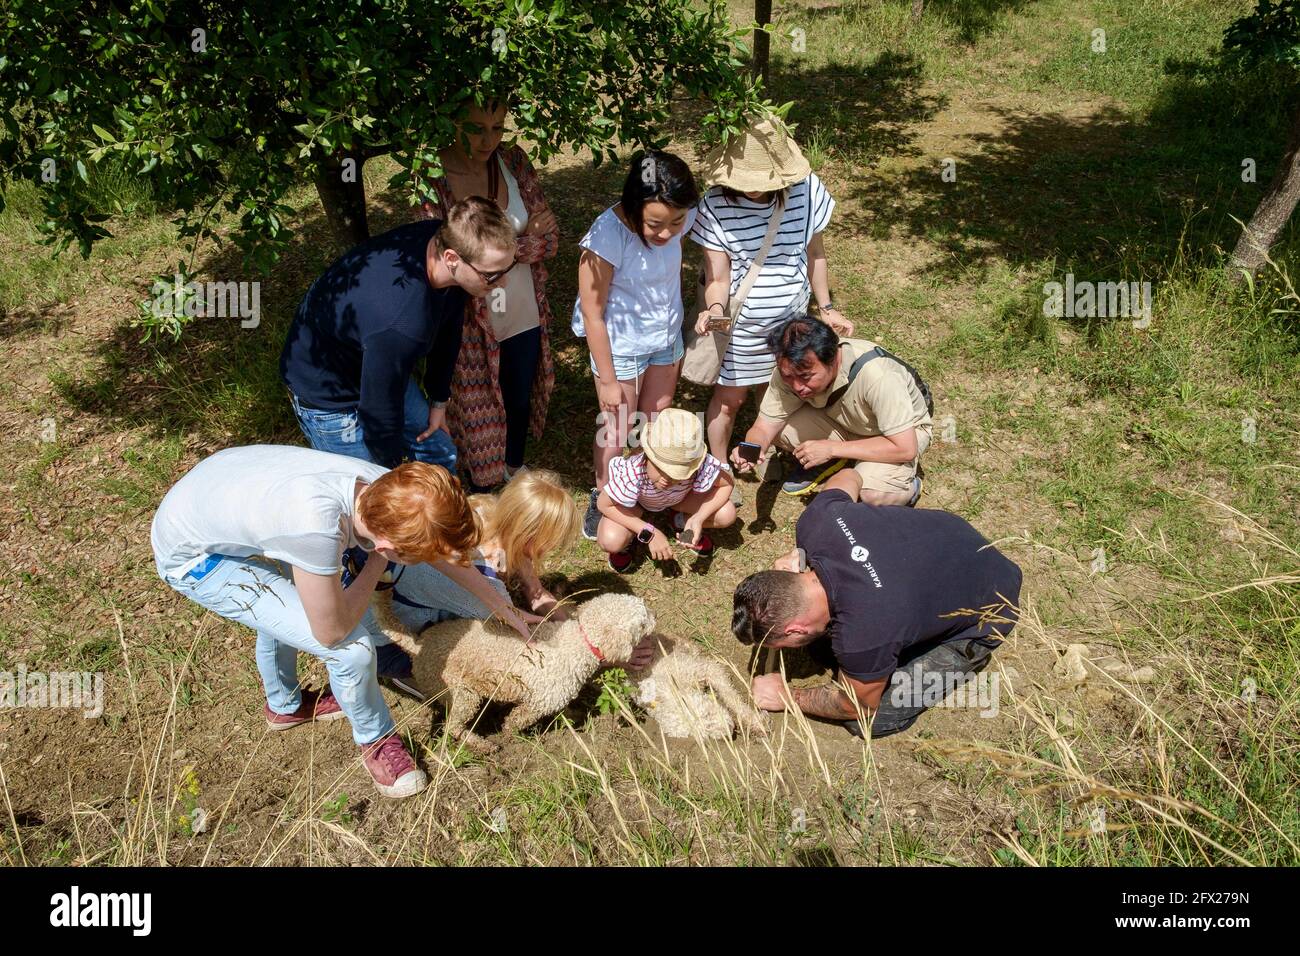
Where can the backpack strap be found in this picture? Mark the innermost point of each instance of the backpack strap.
(875, 353)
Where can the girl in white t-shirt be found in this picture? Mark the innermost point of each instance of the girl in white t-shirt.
(629, 305)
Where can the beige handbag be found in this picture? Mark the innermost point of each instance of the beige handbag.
(703, 361)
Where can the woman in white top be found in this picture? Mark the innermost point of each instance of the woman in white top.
(756, 176)
(504, 375)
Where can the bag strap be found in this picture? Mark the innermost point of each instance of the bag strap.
(875, 353)
(738, 300)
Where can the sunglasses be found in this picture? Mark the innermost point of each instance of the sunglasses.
(488, 277)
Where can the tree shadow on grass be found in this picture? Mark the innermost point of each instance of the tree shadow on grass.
(1104, 194)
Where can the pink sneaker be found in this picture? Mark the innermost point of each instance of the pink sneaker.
(391, 767)
(314, 706)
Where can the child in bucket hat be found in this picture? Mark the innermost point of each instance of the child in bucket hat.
(673, 473)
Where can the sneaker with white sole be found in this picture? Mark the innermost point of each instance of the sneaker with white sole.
(315, 706)
(591, 520)
(801, 481)
(391, 767)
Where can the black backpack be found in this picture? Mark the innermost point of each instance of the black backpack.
(881, 352)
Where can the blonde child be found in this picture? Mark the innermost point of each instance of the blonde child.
(629, 305)
(532, 518)
(673, 471)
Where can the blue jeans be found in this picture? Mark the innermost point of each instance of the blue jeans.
(260, 594)
(629, 367)
(340, 432)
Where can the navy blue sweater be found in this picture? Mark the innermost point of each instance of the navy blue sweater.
(364, 325)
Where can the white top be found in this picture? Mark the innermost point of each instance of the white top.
(630, 485)
(737, 227)
(287, 503)
(512, 306)
(643, 311)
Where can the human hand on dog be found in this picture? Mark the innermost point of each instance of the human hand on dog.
(519, 619)
(769, 692)
(642, 654)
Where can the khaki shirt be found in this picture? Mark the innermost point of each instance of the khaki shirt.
(883, 399)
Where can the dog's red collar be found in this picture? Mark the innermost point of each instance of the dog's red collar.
(590, 646)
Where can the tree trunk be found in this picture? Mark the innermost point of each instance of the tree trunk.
(918, 7)
(1273, 211)
(762, 16)
(342, 191)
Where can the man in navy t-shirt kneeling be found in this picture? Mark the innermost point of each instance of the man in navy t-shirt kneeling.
(910, 598)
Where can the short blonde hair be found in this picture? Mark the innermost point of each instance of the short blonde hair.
(423, 511)
(473, 225)
(533, 517)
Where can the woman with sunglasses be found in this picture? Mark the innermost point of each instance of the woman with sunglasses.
(503, 378)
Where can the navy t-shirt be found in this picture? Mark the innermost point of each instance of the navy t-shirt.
(896, 577)
(364, 325)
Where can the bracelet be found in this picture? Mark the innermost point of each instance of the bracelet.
(719, 305)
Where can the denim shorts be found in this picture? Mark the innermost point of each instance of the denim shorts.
(628, 367)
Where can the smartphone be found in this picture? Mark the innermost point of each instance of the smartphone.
(718, 324)
(749, 452)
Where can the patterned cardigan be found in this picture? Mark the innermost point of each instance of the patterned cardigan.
(476, 415)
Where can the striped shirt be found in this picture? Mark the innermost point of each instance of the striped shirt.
(737, 227)
(629, 485)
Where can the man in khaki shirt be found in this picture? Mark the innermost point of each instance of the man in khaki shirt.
(878, 422)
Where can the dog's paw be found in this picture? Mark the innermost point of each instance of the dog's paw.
(753, 725)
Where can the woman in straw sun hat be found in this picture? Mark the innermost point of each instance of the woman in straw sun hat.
(755, 176)
(673, 472)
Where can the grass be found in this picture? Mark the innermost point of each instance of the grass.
(1070, 436)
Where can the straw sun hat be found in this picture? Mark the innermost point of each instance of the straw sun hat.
(763, 158)
(674, 441)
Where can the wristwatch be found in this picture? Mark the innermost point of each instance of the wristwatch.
(827, 307)
(646, 534)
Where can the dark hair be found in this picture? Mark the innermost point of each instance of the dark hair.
(793, 340)
(735, 195)
(764, 603)
(656, 176)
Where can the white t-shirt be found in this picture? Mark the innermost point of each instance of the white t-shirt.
(287, 503)
(737, 227)
(643, 311)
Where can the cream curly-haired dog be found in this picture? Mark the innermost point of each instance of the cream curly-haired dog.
(690, 695)
(465, 662)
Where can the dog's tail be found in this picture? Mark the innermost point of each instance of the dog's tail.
(382, 603)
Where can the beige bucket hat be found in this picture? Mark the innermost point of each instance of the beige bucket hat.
(763, 158)
(674, 441)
